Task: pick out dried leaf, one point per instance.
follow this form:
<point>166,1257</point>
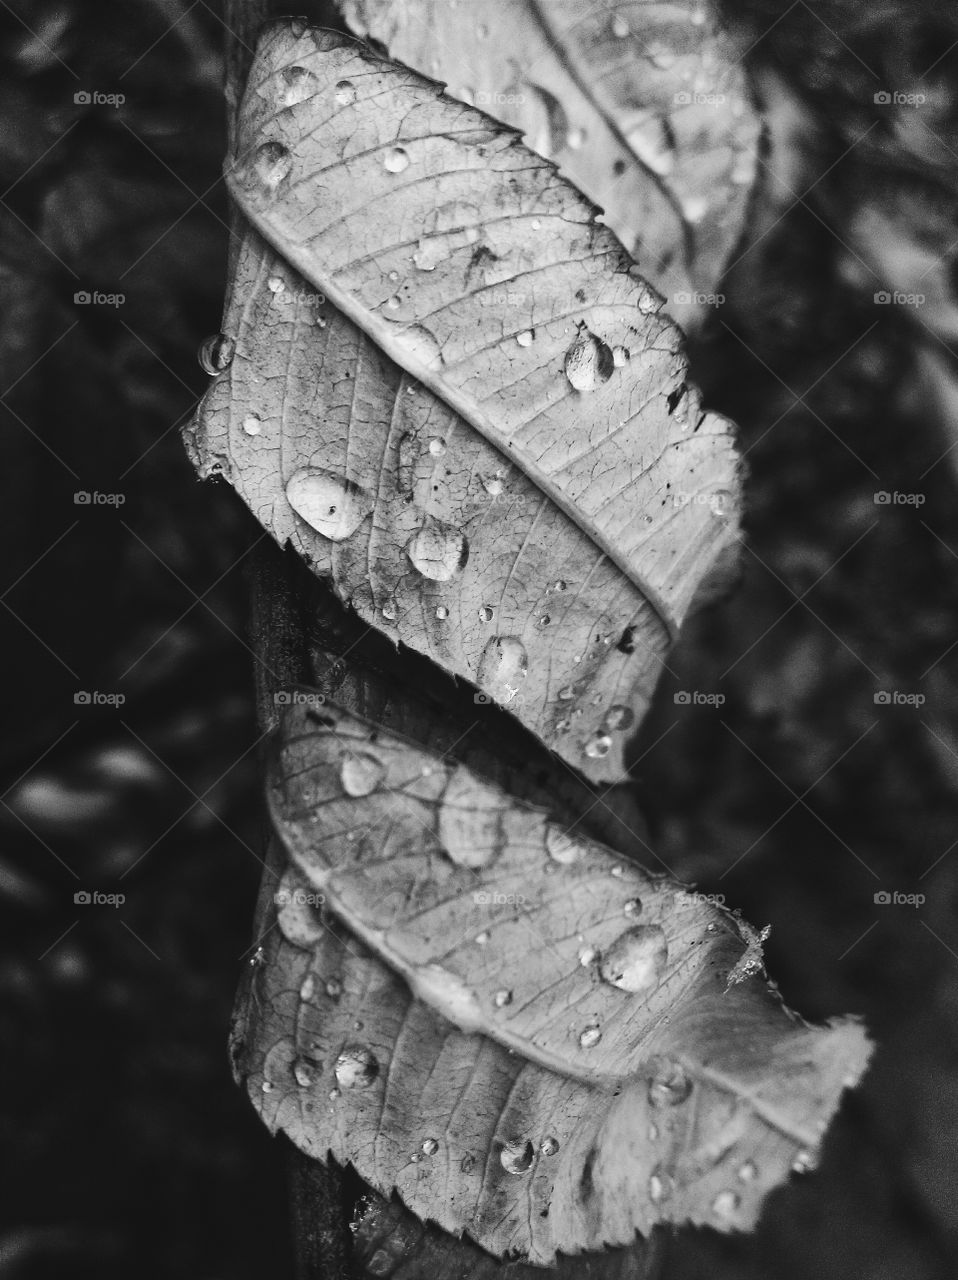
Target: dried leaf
<point>645,107</point>
<point>474,419</point>
<point>530,1040</point>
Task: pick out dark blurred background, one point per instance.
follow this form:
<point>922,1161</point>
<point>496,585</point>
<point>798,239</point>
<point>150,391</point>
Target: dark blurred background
<point>128,1149</point>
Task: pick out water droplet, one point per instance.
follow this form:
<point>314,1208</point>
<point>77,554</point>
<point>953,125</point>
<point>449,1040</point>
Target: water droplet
<point>802,1162</point>
<point>503,665</point>
<point>442,613</point>
<point>430,1147</point>
<point>748,1172</point>
<point>618,717</point>
<point>517,1157</point>
<point>333,506</point>
<point>502,998</point>
<point>669,1086</point>
<point>536,224</point>
<point>298,84</point>
<point>561,846</point>
<point>633,908</point>
<point>598,746</point>
<point>275,284</point>
<point>439,551</point>
<point>548,123</point>
<point>620,28</point>
<point>725,1204</point>
<point>396,160</point>
<point>618,870</point>
<point>252,425</point>
<point>307,988</point>
<point>620,356</point>
<point>525,338</point>
<point>334,988</point>
<point>660,1186</point>
<point>437,447</point>
<point>333,1095</point>
<point>467,1163</point>
<point>576,138</point>
<point>549,1146</point>
<point>356,1067</point>
<point>481,938</point>
<point>361,773</point>
<point>587,956</point>
<point>267,1086</point>
<point>588,362</point>
<point>559,585</point>
<point>467,96</point>
<point>486,613</point>
<point>566,693</point>
<point>651,142</point>
<point>305,1072</point>
<point>590,1037</point>
<point>345,92</point>
<point>420,344</point>
<point>493,486</point>
<point>722,503</point>
<point>390,610</point>
<point>393,303</point>
<point>271,164</point>
<point>216,353</point>
<point>694,208</point>
<point>636,959</point>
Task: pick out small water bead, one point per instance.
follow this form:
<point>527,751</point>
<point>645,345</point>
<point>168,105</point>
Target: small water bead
<point>299,83</point>
<point>252,425</point>
<point>660,1186</point>
<point>598,746</point>
<point>620,357</point>
<point>216,353</point>
<point>493,486</point>
<point>481,938</point>
<point>420,344</point>
<point>566,693</point>
<point>334,988</point>
<point>618,871</point>
<point>589,362</point>
<point>502,998</point>
<point>620,28</point>
<point>694,208</point>
<point>275,284</point>
<point>525,338</point>
<point>332,505</point>
<point>438,551</point>
<point>356,1067</point>
<point>442,613</point>
<point>633,908</point>
<point>618,717</point>
<point>670,1086</point>
<point>549,1146</point>
<point>517,1157</point>
<point>559,585</point>
<point>651,141</point>
<point>561,846</point>
<point>587,956</point>
<point>536,224</point>
<point>748,1172</point>
<point>467,1163</point>
<point>394,276</point>
<point>437,447</point>
<point>304,1073</point>
<point>486,613</point>
<point>390,610</point>
<point>345,93</point>
<point>361,773</point>
<point>396,160</point>
<point>576,138</point>
<point>590,1037</point>
<point>544,620</point>
<point>429,1147</point>
<point>307,988</point>
<point>271,164</point>
<point>725,1205</point>
<point>802,1162</point>
<point>636,960</point>
<point>393,303</point>
<point>467,96</point>
<point>267,1086</point>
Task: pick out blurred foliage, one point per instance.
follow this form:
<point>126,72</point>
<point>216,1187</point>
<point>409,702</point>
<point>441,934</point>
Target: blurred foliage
<point>798,799</point>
